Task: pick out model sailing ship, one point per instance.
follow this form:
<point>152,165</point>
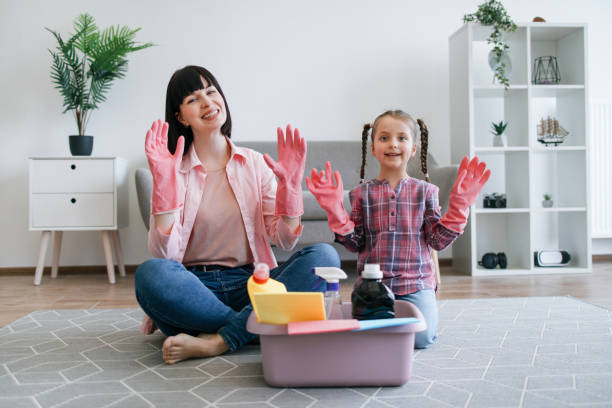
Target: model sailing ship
<point>550,132</point>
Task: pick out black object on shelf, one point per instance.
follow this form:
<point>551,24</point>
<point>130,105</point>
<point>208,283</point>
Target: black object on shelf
<point>550,258</point>
<point>490,260</point>
<point>494,200</point>
<point>545,71</point>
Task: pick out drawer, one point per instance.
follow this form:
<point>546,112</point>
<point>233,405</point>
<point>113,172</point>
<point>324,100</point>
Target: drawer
<point>72,176</point>
<point>72,210</point>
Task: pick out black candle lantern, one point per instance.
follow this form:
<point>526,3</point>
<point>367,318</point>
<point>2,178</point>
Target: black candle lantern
<point>545,71</point>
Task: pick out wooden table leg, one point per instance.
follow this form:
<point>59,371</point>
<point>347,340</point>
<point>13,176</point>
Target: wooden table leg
<point>109,256</point>
<point>57,245</point>
<point>118,254</point>
<point>42,252</point>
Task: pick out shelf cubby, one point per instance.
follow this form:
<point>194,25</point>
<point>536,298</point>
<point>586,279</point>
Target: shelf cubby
<point>562,175</point>
<point>507,233</point>
<point>567,44</point>
<point>496,104</point>
<point>562,230</point>
<point>509,169</point>
<point>567,105</point>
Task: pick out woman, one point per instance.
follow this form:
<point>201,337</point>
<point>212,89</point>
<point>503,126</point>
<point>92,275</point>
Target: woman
<point>215,206</point>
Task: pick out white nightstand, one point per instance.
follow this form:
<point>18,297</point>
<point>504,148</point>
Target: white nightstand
<point>78,194</point>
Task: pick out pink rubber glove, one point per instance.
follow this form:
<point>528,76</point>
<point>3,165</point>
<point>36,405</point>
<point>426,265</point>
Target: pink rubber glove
<point>148,326</point>
<point>330,198</point>
<point>164,167</point>
<point>470,180</point>
<point>289,170</point>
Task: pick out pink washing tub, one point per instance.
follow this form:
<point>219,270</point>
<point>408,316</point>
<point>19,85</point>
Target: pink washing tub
<point>374,357</point>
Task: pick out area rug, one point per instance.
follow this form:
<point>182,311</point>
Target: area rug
<point>500,352</point>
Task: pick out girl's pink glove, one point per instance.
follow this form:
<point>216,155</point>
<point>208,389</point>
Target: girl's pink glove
<point>148,326</point>
<point>164,168</point>
<point>470,180</point>
<point>330,198</point>
<point>289,170</point>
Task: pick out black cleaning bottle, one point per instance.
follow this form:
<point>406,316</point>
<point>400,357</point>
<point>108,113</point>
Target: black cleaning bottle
<point>372,299</point>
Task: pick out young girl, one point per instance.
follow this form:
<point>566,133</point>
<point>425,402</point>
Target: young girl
<point>215,207</point>
<point>395,219</point>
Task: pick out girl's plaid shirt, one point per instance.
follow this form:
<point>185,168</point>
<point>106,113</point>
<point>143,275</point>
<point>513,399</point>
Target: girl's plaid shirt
<point>397,229</point>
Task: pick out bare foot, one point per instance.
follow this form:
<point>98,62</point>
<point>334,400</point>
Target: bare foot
<point>183,346</point>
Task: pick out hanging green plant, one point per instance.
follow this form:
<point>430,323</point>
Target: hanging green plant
<point>492,13</point>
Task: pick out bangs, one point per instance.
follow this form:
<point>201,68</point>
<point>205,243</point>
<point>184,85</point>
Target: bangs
<point>185,82</point>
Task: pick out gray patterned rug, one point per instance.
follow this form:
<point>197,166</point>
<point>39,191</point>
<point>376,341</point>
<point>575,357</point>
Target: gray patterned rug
<point>503,352</point>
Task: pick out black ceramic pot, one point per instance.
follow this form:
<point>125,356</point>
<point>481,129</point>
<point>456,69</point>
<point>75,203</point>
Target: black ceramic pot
<point>80,145</point>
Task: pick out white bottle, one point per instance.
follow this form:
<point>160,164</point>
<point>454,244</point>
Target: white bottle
<point>333,302</point>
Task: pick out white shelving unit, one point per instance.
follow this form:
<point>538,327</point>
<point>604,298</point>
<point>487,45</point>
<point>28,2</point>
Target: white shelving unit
<point>524,169</point>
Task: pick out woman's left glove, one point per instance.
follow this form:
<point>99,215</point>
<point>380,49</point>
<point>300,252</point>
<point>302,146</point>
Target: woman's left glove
<point>289,170</point>
<point>471,177</point>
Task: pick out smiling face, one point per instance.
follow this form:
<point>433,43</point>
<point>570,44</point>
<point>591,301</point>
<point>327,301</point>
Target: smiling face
<point>203,110</point>
<point>393,143</point>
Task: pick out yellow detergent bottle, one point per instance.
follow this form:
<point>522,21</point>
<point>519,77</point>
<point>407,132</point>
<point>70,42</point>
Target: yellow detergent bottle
<point>260,282</point>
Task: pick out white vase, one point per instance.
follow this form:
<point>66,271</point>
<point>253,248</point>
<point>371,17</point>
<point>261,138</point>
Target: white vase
<point>498,141</point>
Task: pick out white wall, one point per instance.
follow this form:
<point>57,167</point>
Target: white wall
<point>324,66</point>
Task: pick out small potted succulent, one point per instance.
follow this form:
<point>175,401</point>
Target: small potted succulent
<point>547,202</point>
<point>498,129</point>
<point>83,68</point>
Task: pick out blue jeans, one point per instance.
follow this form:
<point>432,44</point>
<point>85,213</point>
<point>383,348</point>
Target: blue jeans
<point>425,300</point>
<point>180,300</point>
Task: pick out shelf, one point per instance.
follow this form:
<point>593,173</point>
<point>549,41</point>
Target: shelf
<point>523,169</point>
<point>560,209</point>
<point>501,149</point>
<point>481,210</point>
<point>550,149</point>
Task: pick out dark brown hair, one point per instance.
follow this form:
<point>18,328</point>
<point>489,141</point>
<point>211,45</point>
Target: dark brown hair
<point>182,83</point>
<point>409,120</point>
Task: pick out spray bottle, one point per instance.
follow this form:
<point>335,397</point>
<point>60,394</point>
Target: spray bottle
<point>331,298</point>
<point>260,282</point>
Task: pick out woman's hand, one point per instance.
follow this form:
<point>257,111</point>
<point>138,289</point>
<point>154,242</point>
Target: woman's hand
<point>289,170</point>
<point>330,197</point>
<point>471,177</point>
<point>164,167</point>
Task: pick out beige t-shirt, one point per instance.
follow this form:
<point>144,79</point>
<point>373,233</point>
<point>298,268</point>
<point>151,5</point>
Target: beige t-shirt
<point>218,236</point>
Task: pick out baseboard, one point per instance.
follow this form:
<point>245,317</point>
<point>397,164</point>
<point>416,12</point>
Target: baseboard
<point>65,270</point>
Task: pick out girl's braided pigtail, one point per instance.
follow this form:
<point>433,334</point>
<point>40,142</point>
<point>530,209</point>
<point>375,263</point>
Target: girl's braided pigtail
<point>364,149</point>
<point>424,143</point>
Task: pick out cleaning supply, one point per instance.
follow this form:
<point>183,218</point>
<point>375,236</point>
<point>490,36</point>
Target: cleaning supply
<point>260,282</point>
<point>331,298</point>
<point>372,299</point>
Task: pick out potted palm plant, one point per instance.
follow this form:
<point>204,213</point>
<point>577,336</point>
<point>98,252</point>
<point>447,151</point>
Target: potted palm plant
<point>84,67</point>
<point>498,129</point>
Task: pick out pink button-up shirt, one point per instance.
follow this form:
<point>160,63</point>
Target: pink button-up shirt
<point>254,186</point>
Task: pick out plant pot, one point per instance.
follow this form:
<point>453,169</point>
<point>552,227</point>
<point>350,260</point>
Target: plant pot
<point>498,141</point>
<point>547,203</point>
<point>80,145</point>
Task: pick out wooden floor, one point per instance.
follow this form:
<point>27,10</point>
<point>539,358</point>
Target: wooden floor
<point>18,296</point>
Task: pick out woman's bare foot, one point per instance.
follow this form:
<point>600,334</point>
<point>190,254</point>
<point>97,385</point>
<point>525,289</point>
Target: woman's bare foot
<point>183,346</point>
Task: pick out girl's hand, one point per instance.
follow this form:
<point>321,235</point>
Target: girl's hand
<point>289,170</point>
<point>330,198</point>
<point>164,167</point>
<point>471,177</point>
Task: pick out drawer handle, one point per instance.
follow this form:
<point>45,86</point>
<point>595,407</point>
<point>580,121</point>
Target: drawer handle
<point>73,200</point>
<point>73,166</point>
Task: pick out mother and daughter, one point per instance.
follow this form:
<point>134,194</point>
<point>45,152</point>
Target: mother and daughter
<point>215,207</point>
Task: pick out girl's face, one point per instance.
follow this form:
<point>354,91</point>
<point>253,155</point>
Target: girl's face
<point>203,110</point>
<point>393,144</point>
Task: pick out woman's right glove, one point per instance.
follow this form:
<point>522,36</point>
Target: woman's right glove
<point>330,198</point>
<point>471,177</point>
<point>164,167</point>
